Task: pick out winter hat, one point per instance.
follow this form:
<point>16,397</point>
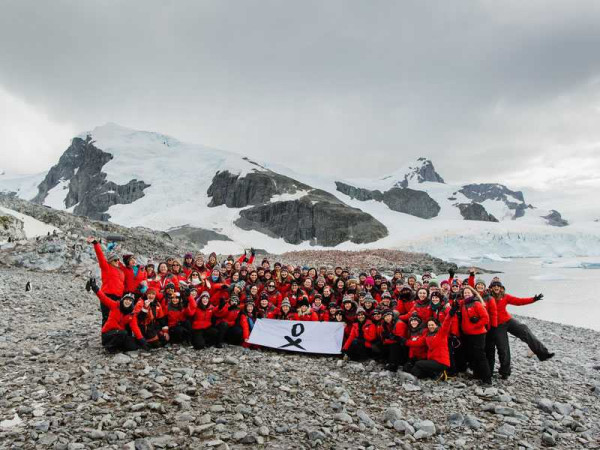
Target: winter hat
<point>129,295</point>
<point>415,317</point>
<point>387,312</point>
<point>332,305</point>
<point>444,282</point>
<point>241,285</point>
<point>294,281</point>
<point>426,275</point>
<point>234,299</point>
<point>369,298</point>
<point>369,281</point>
<point>495,283</point>
<point>347,299</point>
<point>479,281</point>
<point>302,302</point>
<point>169,285</point>
<point>126,259</point>
<point>362,293</point>
<point>386,294</point>
<point>318,296</point>
<point>188,255</point>
<point>150,290</point>
<point>360,310</point>
<point>205,294</point>
<point>286,302</point>
<point>376,311</point>
<point>112,256</point>
<point>433,283</point>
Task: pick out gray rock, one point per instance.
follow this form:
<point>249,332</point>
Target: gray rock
<point>410,201</point>
<point>315,435</point>
<point>239,435</point>
<point>475,211</point>
<point>143,444</point>
<point>342,417</point>
<point>472,422</point>
<point>217,408</point>
<point>364,418</point>
<point>404,427</point>
<point>121,358</point>
<point>555,219</point>
<point>425,426</point>
<point>505,410</point>
<point>393,414</point>
<point>456,420</point>
<point>97,434</point>
<point>545,405</point>
<point>563,408</point>
<point>263,430</point>
<point>479,193</point>
<point>506,430</point>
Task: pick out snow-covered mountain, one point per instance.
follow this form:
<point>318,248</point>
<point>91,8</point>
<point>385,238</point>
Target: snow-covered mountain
<point>137,178</point>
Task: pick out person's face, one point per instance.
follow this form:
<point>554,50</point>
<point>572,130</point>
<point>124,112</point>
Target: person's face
<point>422,294</point>
<point>162,268</point>
<point>361,317</point>
<point>414,323</point>
<point>170,292</point>
<point>253,276</point>
<point>285,309</point>
<point>266,265</point>
<point>254,290</point>
<point>384,287</point>
<point>435,299</point>
<point>294,287</point>
<point>312,273</point>
<point>373,272</point>
<point>205,299</point>
<point>127,302</point>
<point>304,308</point>
<point>321,283</point>
<point>368,304</point>
<point>377,316</point>
<point>338,272</point>
<point>445,288</point>
<point>496,289</point>
<point>339,317</point>
<point>271,287</point>
<point>175,300</point>
<point>348,306</point>
<point>235,277</point>
<point>212,259</point>
<point>431,326</point>
<point>132,261</point>
<point>317,301</point>
<point>307,284</point>
<point>467,293</point>
<point>199,260</point>
<point>268,275</point>
<point>326,290</point>
<point>114,262</point>
<point>151,296</point>
<point>455,288</point>
<point>216,273</point>
<point>264,302</point>
<point>250,307</point>
<point>188,260</point>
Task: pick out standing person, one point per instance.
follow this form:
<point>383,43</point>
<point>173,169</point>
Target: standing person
<point>247,321</point>
<point>134,276</point>
<point>417,348</point>
<point>474,325</point>
<point>201,313</point>
<point>151,319</point>
<point>121,318</point>
<point>179,327</point>
<point>490,337</point>
<point>507,324</point>
<point>228,322</point>
<point>113,278</point>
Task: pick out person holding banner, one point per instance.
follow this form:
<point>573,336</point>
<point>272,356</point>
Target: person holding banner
<point>362,335</point>
<point>247,321</point>
<point>283,313</point>
<point>304,312</point>
<point>228,322</point>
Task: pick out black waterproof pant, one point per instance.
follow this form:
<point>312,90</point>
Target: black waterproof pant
<point>204,338</point>
<point>104,309</point>
<point>522,332</point>
<point>182,332</point>
<point>490,348</point>
<point>118,341</point>
<point>475,350</point>
<point>456,349</point>
<point>394,354</point>
<point>428,368</point>
<point>357,350</point>
<point>232,335</point>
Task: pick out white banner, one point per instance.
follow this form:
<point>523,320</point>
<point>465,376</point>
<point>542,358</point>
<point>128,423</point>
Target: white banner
<point>297,336</point>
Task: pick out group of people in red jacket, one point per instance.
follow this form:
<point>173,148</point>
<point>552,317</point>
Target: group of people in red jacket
<point>425,327</point>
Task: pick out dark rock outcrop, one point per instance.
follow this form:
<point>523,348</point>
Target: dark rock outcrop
<point>199,236</point>
<point>492,191</point>
<point>410,201</point>
<point>358,193</point>
<point>318,217</point>
<point>405,200</point>
<point>474,211</point>
<point>254,188</point>
<point>555,219</point>
<point>81,164</point>
<point>423,172</point>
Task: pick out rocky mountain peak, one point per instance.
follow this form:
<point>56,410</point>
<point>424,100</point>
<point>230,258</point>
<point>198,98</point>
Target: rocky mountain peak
<point>420,172</point>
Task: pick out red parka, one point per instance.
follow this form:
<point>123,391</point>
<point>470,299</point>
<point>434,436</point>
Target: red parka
<point>113,278</point>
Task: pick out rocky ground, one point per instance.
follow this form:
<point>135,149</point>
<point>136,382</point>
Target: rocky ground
<point>59,389</point>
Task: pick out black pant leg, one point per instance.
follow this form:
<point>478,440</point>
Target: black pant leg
<point>427,368</point>
<point>490,348</point>
<point>503,346</point>
<point>198,340</point>
<point>523,332</point>
<point>234,335</point>
<point>476,351</point>
<point>221,332</point>
<point>357,351</point>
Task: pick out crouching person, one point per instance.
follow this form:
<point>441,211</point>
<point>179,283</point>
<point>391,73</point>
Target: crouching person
<point>151,319</point>
<point>438,355</point>
<point>228,322</point>
<point>120,324</point>
<point>179,327</point>
<point>201,313</point>
<point>392,335</point>
<point>362,335</point>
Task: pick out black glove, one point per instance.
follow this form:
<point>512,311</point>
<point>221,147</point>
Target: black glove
<point>224,287</point>
<point>186,292</point>
<point>454,309</point>
<point>264,295</point>
<point>222,302</point>
<point>94,285</point>
<point>185,302</point>
<point>474,319</point>
<point>538,297</point>
<point>94,242</point>
<point>252,252</point>
<point>88,287</point>
<point>143,344</point>
<point>401,340</point>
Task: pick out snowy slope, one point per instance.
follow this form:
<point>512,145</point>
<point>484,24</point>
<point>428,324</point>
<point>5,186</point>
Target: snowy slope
<point>32,227</point>
<point>179,175</point>
<point>25,186</point>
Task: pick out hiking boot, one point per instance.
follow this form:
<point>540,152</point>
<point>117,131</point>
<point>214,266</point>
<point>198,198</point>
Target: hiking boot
<point>546,356</point>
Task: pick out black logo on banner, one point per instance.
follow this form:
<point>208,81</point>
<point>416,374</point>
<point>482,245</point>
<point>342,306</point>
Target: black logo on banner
<point>297,330</point>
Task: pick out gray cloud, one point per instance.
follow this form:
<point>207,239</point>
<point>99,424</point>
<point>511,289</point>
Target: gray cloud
<point>356,87</point>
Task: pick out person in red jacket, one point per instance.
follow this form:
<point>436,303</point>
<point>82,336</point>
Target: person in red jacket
<point>228,322</point>
<point>179,327</point>
<point>406,301</point>
<point>392,335</point>
<point>247,321</point>
<point>273,295</point>
<point>417,348</point>
<point>134,276</point>
<point>113,278</point>
<point>283,313</point>
<point>319,308</point>
<point>304,312</point>
<point>151,319</point>
<point>436,340</point>
<point>362,335</point>
<point>507,324</point>
<point>120,324</point>
<point>474,326</point>
<point>201,314</point>
<point>264,308</point>
<point>439,308</point>
<point>490,337</point>
<point>421,307</point>
<point>329,315</point>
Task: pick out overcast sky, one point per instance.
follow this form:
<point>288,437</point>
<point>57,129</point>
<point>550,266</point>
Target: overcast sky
<point>491,91</point>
